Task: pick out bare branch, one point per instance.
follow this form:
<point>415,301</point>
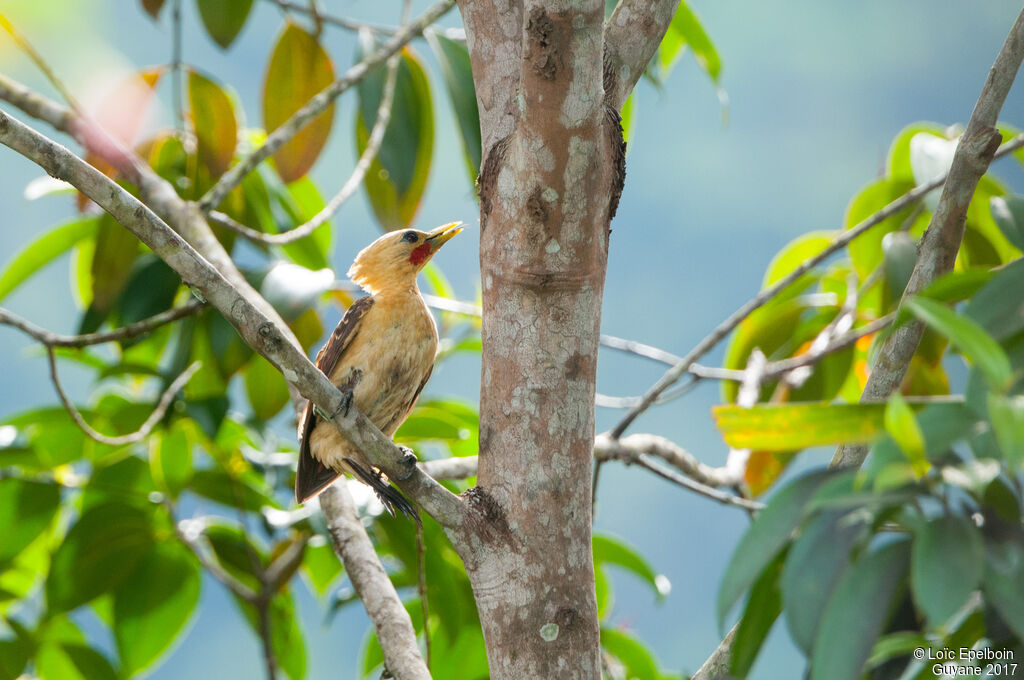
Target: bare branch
<point>723,329</point>
<point>51,339</point>
<point>941,242</point>
<point>158,413</point>
<point>355,25</point>
<point>362,565</point>
<point>318,104</point>
<point>189,531</point>
<point>631,37</point>
<point>262,332</point>
<point>456,467</point>
<point>346,191</point>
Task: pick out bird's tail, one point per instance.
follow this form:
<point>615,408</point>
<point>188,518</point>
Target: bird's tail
<point>389,496</point>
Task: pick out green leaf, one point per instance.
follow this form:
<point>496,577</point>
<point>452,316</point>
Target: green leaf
<point>299,68</point>
<point>33,257</point>
<point>236,553</point>
<point>265,387</point>
<point>764,539</point>
<point>219,486</point>
<point>628,119</point>
<point>150,290</point>
<point>897,165</point>
<point>866,250</point>
<point>852,620</point>
<point>1007,417</point>
<point>1008,212</point>
<point>98,553</point>
<point>999,312</point>
<point>398,176</point>
<point>898,260</point>
<point>1004,581</point>
<point>116,250</point>
<point>816,561</point>
<point>686,30</point>
<point>286,637</point>
<point>968,336</point>
<point>768,328</point>
<point>71,661</point>
<point>152,606</point>
<point>638,660</point>
<point>224,19</point>
<point>785,427</point>
<point>214,122</point>
<point>603,591</point>
<point>903,428</point>
<point>895,645</point>
<point>795,253</point>
<point>301,201</point>
<point>170,459</point>
<point>763,607</point>
<point>453,58</point>
<point>27,509</point>
<point>946,566</point>
<point>321,565</point>
<point>611,550</point>
<point>13,658</point>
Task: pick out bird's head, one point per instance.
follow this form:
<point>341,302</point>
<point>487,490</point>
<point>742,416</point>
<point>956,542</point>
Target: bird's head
<point>395,258</point>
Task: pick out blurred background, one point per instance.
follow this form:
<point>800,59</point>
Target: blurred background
<point>816,92</point>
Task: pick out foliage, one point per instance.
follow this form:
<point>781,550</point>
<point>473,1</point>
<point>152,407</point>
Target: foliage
<point>931,528</point>
<point>127,531</point>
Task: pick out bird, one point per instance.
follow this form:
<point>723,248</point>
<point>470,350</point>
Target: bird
<point>380,356</point>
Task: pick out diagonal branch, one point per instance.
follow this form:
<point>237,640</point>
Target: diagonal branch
<point>364,569</point>
<point>51,339</point>
<point>258,330</point>
<point>941,242</point>
<point>347,189</point>
<point>318,104</point>
<point>631,37</point>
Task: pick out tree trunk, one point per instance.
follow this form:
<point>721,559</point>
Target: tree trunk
<point>548,188</point>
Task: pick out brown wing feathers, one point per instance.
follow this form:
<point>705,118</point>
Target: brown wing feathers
<point>313,476</point>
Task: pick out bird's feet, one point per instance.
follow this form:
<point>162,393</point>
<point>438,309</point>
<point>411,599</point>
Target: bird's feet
<point>343,408</point>
<point>407,461</point>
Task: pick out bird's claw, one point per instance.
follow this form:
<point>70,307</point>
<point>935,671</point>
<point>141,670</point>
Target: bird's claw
<point>343,407</point>
<point>408,460</point>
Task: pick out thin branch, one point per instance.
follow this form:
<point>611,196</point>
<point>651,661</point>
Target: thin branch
<point>158,413</point>
<point>355,25</point>
<point>723,329</point>
<point>456,467</point>
<point>188,531</point>
<point>346,191</point>
<point>606,448</point>
<point>131,331</point>
<point>282,568</point>
<point>941,241</point>
<point>240,306</point>
<point>391,621</point>
<point>318,104</point>
<point>176,67</point>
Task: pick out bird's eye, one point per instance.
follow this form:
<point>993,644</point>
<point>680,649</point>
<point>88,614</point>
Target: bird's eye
<point>411,237</point>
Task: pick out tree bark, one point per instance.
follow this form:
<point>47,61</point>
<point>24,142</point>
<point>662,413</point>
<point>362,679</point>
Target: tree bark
<point>548,189</point>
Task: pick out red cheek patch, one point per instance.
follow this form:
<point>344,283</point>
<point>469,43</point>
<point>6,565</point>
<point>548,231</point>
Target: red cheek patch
<point>419,254</point>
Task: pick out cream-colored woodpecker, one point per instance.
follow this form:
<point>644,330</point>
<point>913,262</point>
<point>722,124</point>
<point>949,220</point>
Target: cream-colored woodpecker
<point>380,356</point>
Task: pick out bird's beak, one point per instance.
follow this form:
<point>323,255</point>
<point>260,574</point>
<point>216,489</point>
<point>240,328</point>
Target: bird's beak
<point>438,237</point>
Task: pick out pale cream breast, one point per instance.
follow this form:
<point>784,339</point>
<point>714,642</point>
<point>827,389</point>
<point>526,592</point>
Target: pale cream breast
<point>385,365</point>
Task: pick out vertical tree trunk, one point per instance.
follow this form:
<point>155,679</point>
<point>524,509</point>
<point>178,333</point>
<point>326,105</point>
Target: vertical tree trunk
<point>548,189</point>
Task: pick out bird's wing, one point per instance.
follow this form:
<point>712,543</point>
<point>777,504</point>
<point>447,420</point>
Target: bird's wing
<point>313,476</point>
